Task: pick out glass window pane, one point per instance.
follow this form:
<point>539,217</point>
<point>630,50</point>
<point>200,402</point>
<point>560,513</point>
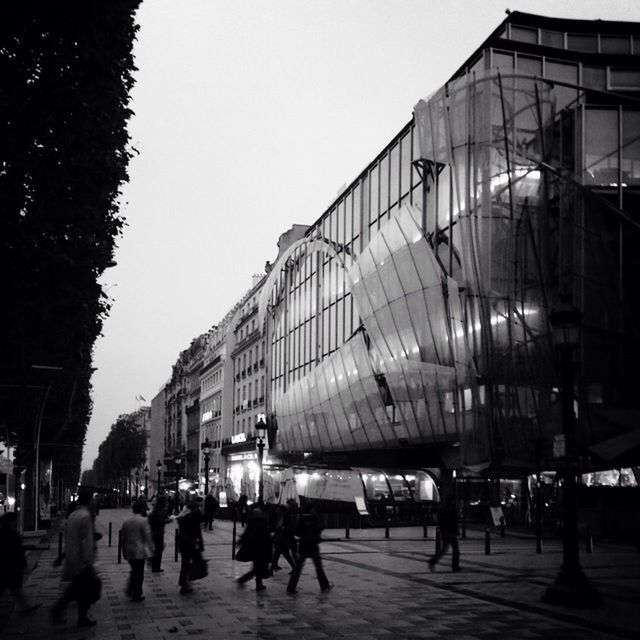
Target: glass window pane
<point>356,210</point>
<point>631,147</point>
<point>615,44</point>
<point>405,164</point>
<point>582,42</point>
<point>601,144</point>
<point>625,79</point>
<point>374,194</point>
<point>384,184</point>
<point>500,60</point>
<point>348,219</point>
<point>552,39</point>
<point>394,180</point>
<point>530,65</point>
<point>565,72</point>
<point>523,34</point>
<point>594,77</point>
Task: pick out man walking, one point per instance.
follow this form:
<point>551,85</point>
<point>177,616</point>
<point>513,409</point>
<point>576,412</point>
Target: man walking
<point>448,525</point>
<point>137,546</point>
<point>84,587</point>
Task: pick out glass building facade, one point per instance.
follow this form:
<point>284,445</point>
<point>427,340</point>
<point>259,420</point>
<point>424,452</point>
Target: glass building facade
<point>415,311</point>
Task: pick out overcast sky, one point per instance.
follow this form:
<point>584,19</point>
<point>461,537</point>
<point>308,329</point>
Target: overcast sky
<point>249,116</point>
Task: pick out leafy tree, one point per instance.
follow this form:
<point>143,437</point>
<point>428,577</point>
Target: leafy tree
<point>123,450</point>
<point>67,72</point>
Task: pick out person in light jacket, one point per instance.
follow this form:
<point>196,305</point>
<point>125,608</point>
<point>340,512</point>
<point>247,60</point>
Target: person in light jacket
<point>137,546</point>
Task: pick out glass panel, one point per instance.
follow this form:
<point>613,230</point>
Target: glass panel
<point>565,72</point>
<point>625,79</point>
<point>631,148</point>
<point>580,42</point>
<point>552,39</point>
<point>501,60</point>
<point>374,195</point>
<point>601,147</point>
<point>530,65</point>
<point>394,180</point>
<point>405,164</point>
<point>356,210</point>
<point>384,184</point>
<point>348,219</point>
<point>523,34</point>
<point>594,77</point>
<point>615,44</point>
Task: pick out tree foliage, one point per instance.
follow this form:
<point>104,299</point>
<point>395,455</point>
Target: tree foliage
<point>123,450</point>
<point>67,72</point>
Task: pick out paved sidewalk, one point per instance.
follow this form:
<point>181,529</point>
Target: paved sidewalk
<point>383,589</point>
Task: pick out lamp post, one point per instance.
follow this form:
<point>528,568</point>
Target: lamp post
<point>261,432</point>
<point>159,468</point>
<point>571,587</point>
<point>206,450</point>
<point>137,482</point>
<point>177,459</point>
<point>146,481</point>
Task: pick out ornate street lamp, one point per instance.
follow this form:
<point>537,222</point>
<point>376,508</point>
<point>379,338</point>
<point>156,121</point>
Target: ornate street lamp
<point>159,468</point>
<point>261,432</point>
<point>137,482</point>
<point>571,587</point>
<point>177,459</point>
<point>146,481</point>
<point>206,450</point>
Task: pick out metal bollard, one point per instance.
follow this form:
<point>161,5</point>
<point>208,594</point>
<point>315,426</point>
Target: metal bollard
<point>175,545</point>
<point>110,530</point>
<point>119,546</point>
<point>425,531</point>
<point>589,540</point>
<point>59,548</point>
<point>438,540</point>
<point>347,529</point>
<point>386,528</point>
<point>538,542</point>
<point>487,542</point>
<point>463,526</point>
<point>503,527</point>
<point>233,541</point>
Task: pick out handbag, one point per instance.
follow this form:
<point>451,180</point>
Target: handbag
<point>198,568</point>
<point>243,554</point>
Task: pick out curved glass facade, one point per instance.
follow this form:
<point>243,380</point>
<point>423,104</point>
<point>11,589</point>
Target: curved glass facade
<point>416,311</point>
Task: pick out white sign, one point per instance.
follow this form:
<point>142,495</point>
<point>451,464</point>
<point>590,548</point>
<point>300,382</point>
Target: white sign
<point>238,437</point>
<point>361,506</point>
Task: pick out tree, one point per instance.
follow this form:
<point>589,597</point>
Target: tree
<point>67,72</point>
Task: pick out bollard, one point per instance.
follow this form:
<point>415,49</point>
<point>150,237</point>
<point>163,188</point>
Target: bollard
<point>487,542</point>
<point>503,527</point>
<point>538,542</point>
<point>110,529</point>
<point>175,545</point>
<point>233,541</point>
<point>59,548</point>
<point>119,546</point>
<point>425,531</point>
<point>347,528</point>
<point>589,540</point>
<point>386,528</point>
<point>438,540</point>
<point>464,526</point>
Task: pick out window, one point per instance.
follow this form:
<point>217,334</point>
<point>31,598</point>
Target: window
<point>631,148</point>
<point>523,34</point>
<point>552,39</point>
<point>579,42</point>
<point>615,44</point>
<point>601,147</point>
<point>624,79</point>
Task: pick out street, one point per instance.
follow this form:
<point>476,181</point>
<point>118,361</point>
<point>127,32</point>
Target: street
<point>383,589</point>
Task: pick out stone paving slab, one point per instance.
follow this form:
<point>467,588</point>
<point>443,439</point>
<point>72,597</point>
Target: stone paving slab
<point>382,590</point>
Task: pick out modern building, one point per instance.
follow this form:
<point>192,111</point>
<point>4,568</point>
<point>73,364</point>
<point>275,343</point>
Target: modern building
<point>411,326</point>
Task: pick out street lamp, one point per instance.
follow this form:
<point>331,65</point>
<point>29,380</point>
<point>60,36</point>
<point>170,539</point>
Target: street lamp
<point>146,481</point>
<point>261,432</point>
<point>206,450</point>
<point>177,459</point>
<point>159,468</point>
<point>571,587</point>
<point>137,482</point>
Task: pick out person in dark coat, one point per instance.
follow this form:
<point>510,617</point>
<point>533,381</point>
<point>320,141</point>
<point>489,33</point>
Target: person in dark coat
<point>158,518</point>
<point>284,539</point>
<point>257,541</point>
<point>210,508</point>
<point>189,540</point>
<point>13,561</point>
<point>448,525</point>
<point>309,531</point>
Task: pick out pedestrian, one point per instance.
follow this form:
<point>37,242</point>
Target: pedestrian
<point>284,539</point>
<point>255,543</point>
<point>13,562</point>
<point>84,586</point>
<point>137,546</point>
<point>309,532</point>
<point>210,508</point>
<point>448,525</point>
<point>158,518</point>
<point>242,508</point>
<point>189,540</point>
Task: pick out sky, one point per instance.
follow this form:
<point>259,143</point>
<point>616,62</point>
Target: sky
<point>249,117</point>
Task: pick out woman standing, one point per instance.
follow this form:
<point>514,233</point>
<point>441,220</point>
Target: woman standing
<point>190,541</point>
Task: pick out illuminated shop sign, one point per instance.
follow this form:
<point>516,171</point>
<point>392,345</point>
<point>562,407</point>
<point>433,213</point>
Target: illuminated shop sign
<point>238,437</point>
